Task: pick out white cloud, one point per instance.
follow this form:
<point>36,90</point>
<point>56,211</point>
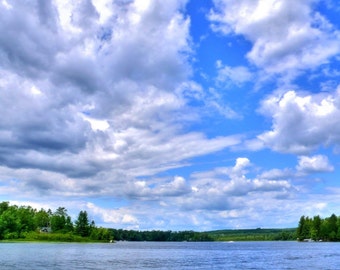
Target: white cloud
<point>277,174</point>
<point>215,103</point>
<point>241,163</point>
<point>96,102</point>
<point>233,75</point>
<point>90,106</point>
<point>97,124</point>
<point>228,76</point>
<point>6,4</point>
<point>98,91</point>
<point>301,122</point>
<point>314,164</point>
<point>222,109</point>
<point>286,35</point>
<point>120,217</point>
<point>228,188</point>
<point>158,189</point>
<point>167,203</point>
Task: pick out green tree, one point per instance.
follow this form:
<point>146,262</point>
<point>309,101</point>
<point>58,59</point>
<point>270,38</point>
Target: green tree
<point>9,223</point>
<point>3,207</point>
<point>42,218</point>
<point>82,225</point>
<point>303,230</point>
<point>26,221</point>
<point>101,234</point>
<point>338,224</point>
<point>316,228</point>
<point>61,221</point>
<point>333,227</point>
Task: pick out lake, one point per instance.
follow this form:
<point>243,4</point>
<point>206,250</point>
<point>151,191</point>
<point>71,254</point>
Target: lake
<point>170,255</point>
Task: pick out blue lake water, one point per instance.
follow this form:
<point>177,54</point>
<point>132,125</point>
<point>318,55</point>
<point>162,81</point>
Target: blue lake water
<point>184,255</point>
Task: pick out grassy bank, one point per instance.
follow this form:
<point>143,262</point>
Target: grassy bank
<point>53,237</point>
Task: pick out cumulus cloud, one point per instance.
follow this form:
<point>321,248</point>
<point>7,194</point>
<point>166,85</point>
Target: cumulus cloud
<point>158,190</point>
<point>91,103</point>
<point>314,164</point>
<point>226,191</point>
<point>285,35</point>
<point>241,163</point>
<point>301,122</point>
<point>228,188</point>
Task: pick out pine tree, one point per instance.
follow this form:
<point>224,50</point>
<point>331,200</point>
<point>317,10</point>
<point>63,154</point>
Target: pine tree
<point>83,227</point>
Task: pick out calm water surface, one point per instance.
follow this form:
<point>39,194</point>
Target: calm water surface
<point>152,255</point>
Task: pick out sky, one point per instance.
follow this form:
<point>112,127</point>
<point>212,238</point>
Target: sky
<point>172,114</point>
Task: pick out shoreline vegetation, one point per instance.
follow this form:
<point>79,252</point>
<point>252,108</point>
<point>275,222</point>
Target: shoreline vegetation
<point>259,234</point>
<point>319,229</point>
<point>24,223</point>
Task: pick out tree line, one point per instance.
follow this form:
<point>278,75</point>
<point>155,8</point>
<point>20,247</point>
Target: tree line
<point>258,234</point>
<point>319,229</point>
<point>25,222</point>
<point>156,235</point>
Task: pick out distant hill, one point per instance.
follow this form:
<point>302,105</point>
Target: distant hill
<point>253,234</point>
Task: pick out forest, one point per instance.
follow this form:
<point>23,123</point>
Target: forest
<point>319,229</point>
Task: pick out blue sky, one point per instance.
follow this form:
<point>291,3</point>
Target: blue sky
<point>172,115</point>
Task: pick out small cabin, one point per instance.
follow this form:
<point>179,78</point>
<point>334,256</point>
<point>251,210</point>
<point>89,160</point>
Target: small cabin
<point>45,230</point>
